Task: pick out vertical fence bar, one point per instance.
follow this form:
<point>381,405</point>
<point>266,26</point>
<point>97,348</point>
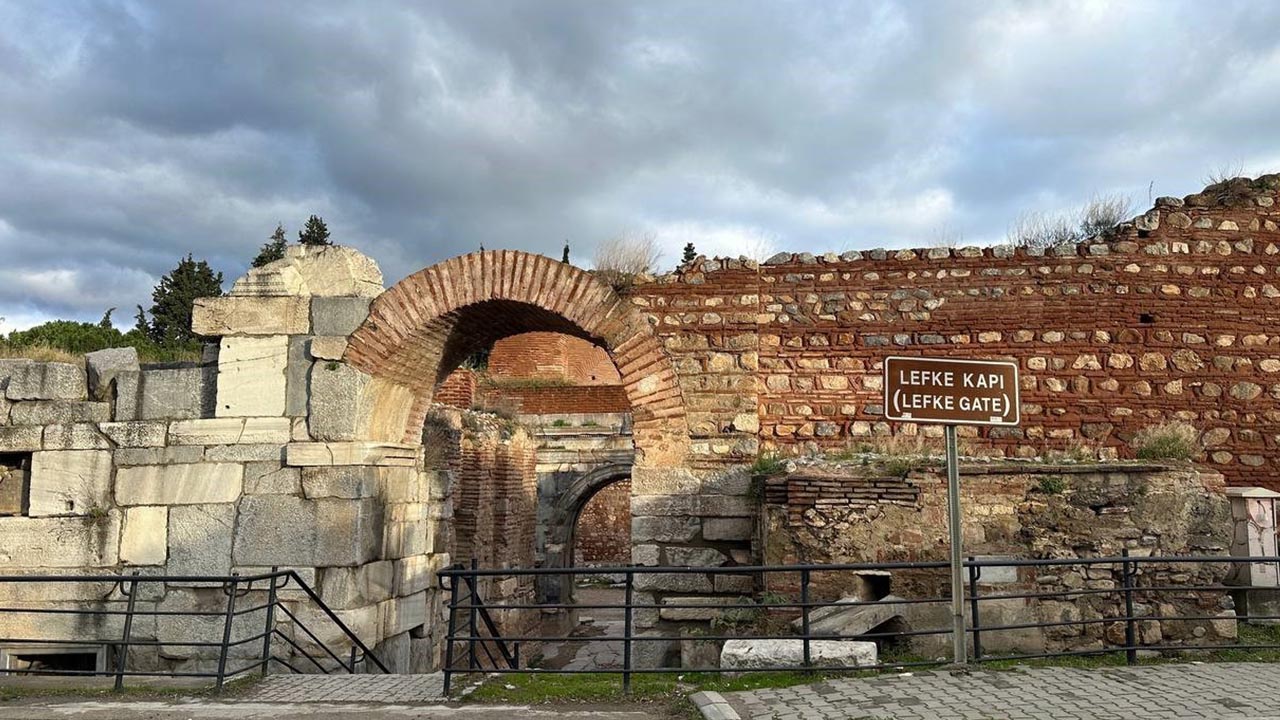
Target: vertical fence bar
<point>975,573</point>
<point>626,633</point>
<point>453,626</point>
<point>1130,625</point>
<point>352,667</point>
<point>804,616</point>
<point>271,623</point>
<point>122,656</point>
<point>226,631</point>
<point>473,584</point>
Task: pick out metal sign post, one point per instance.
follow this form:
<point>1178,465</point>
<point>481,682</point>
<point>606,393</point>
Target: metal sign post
<point>952,392</point>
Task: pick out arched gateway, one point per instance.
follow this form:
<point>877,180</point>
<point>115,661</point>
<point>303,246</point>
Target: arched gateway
<point>421,329</point>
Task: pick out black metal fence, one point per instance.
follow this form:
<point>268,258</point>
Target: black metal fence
<point>1115,601</point>
<point>248,601</point>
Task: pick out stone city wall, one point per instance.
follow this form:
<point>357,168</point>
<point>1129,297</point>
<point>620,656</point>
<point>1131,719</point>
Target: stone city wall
<point>850,513</point>
<point>1173,317</point>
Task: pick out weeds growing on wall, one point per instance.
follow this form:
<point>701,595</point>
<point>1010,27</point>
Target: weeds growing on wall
<point>621,260</point>
<point>1098,217</point>
<point>1167,441</point>
<point>768,464</point>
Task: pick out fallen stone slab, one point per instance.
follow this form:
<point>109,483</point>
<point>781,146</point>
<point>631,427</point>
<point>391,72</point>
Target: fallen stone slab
<point>757,654</point>
<point>847,619</point>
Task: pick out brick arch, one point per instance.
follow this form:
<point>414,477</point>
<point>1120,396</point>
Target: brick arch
<point>423,327</point>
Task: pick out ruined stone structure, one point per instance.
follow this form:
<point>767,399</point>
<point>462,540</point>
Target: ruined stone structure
<point>299,442</point>
<point>825,512</point>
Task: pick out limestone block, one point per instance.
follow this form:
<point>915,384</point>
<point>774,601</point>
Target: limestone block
<point>171,393</point>
<point>70,482</point>
<point>21,438</point>
<point>848,619</point>
<point>412,574</point>
<point>193,484</point>
<point>360,481</point>
<point>644,555</point>
<point>181,454</point>
<point>59,542</point>
<point>297,380</point>
<point>268,478</point>
<point>75,436</point>
<point>327,347</point>
<point>251,376</point>
<point>330,270</point>
<point>655,481</point>
<point>695,557</point>
<point>711,608</point>
<point>348,587</point>
<point>207,626</point>
<point>350,453</point>
<point>49,412</point>
<point>231,431</point>
<point>663,529</point>
<point>349,532</point>
<point>104,366</point>
<point>276,530</point>
<point>336,405</point>
<point>745,654</point>
<point>403,614</point>
<point>47,381</point>
<point>338,316</point>
<point>674,582</point>
<point>727,529</point>
<point>145,538</point>
<point>245,453</point>
<point>245,315</point>
<point>135,433</point>
<point>287,530</point>
<point>200,539</point>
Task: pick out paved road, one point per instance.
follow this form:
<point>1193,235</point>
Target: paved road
<point>1216,691</point>
<point>205,710</point>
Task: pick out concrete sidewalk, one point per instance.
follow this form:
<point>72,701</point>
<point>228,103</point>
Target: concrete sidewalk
<point>1161,692</point>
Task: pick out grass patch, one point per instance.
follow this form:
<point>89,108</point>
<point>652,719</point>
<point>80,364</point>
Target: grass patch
<point>1168,441</point>
<point>767,465</point>
<point>105,691</point>
<point>1052,485</point>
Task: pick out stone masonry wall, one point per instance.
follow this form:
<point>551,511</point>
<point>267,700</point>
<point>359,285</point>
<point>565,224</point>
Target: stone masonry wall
<point>1173,317</point>
<point>861,512</point>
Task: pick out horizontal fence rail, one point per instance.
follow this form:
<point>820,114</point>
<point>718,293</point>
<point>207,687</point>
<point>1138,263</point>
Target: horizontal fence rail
<point>240,634</point>
<point>1122,593</point>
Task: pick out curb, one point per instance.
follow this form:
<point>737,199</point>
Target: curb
<point>713,706</point>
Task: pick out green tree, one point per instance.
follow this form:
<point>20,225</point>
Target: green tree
<point>274,248</point>
<point>173,297</point>
<point>690,254</point>
<point>105,322</point>
<point>315,232</point>
<point>565,259</point>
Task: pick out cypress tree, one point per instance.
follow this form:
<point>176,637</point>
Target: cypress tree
<point>690,254</point>
<point>315,232</point>
<point>173,297</point>
<point>274,248</point>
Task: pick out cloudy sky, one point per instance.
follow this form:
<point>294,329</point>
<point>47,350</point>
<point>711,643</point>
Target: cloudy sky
<point>133,133</point>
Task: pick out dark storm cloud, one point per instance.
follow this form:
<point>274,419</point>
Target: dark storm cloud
<point>133,133</point>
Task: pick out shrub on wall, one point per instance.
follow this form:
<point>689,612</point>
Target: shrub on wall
<point>1167,441</point>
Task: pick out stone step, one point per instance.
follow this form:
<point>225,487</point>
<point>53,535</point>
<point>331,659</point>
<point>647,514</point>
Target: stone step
<point>855,619</point>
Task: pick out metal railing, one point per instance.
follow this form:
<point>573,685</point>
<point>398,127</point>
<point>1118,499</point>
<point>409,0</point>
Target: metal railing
<point>308,652</point>
<point>1130,594</point>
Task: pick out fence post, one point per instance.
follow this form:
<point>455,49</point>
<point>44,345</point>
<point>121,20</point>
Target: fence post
<point>1130,625</point>
<point>626,634</point>
<point>473,583</point>
<point>226,630</point>
<point>271,622</point>
<point>122,657</point>
<point>804,615</point>
<point>975,572</point>
<point>453,626</point>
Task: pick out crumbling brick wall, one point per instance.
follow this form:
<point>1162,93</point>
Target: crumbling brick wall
<point>553,357</point>
<point>1172,317</point>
